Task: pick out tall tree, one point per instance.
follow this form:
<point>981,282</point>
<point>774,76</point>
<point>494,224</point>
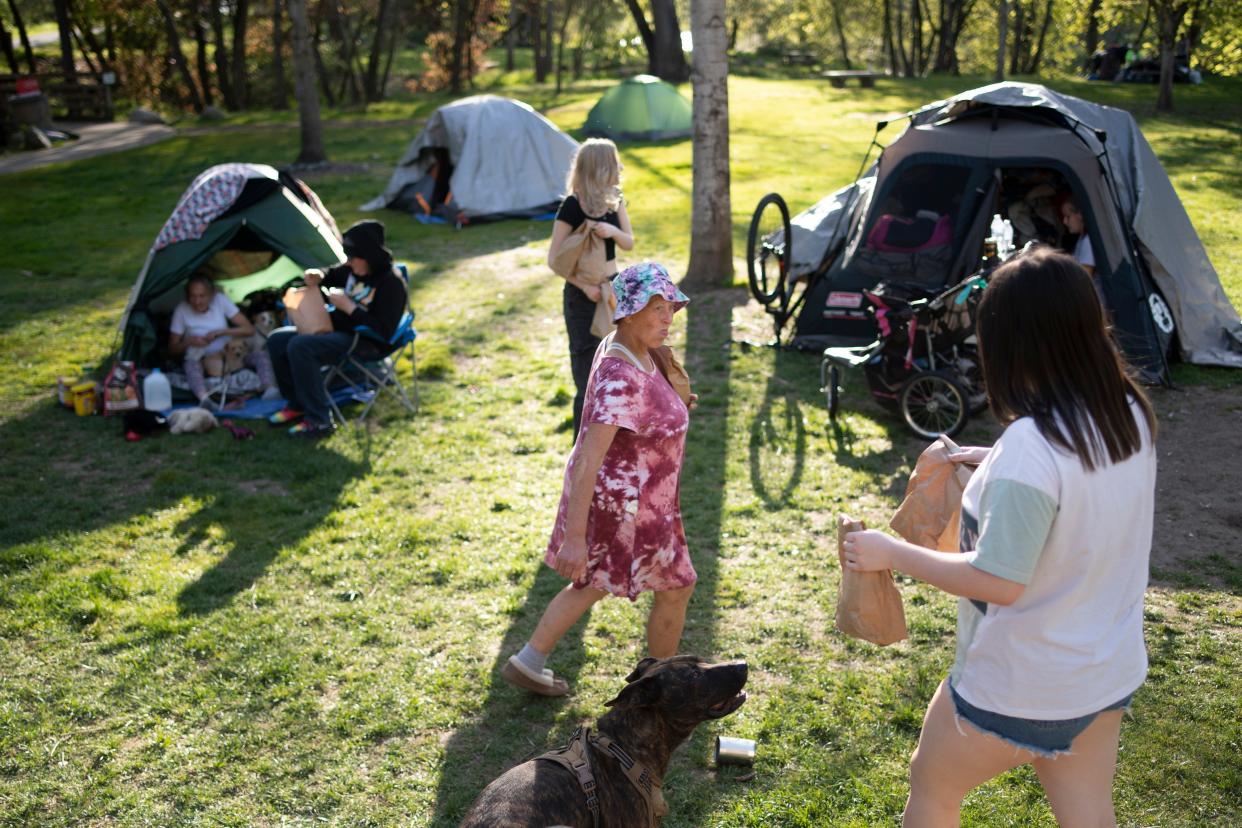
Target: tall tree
<point>223,76</point>
<point>304,87</point>
<point>840,27</point>
<point>201,60</point>
<point>711,222</point>
<point>64,28</point>
<point>176,58</point>
<point>662,38</point>
<point>1091,38</point>
<point>241,79</point>
<point>6,43</point>
<point>1169,17</point>
<point>371,81</point>
<point>22,35</point>
<point>1002,34</point>
<point>280,90</point>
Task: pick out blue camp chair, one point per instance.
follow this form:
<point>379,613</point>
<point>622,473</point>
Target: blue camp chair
<point>369,368</point>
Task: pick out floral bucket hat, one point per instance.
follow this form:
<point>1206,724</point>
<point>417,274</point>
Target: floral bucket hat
<point>635,286</point>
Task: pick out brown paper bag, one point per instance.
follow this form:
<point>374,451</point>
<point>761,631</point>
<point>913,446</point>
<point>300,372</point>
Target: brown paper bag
<point>930,514</point>
<point>307,310</point>
<point>869,605</point>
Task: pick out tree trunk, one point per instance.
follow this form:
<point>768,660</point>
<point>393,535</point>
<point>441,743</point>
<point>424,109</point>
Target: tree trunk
<point>201,61</point>
<point>457,57</point>
<point>665,58</point>
<point>1002,33</point>
<point>304,87</point>
<point>86,37</point>
<point>889,51</point>
<point>511,36</point>
<point>241,20</point>
<point>1169,17</point>
<point>6,43</point>
<point>916,38</point>
<point>22,35</point>
<point>549,19</point>
<point>840,27</point>
<point>560,46</point>
<point>711,223</point>
<point>644,29</point>
<point>1032,66</point>
<point>280,88</point>
<point>175,56</point>
<point>321,71</point>
<point>223,77</point>
<point>371,80</point>
<point>61,7</point>
<point>1018,48</point>
<point>1091,40</point>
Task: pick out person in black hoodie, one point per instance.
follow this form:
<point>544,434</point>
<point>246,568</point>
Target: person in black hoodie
<point>365,291</point>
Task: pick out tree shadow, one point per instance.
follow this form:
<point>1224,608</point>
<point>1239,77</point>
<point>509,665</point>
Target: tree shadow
<point>84,477</point>
<point>511,726</point>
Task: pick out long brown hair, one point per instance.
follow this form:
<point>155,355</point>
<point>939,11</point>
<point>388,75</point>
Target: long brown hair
<point>1047,354</point>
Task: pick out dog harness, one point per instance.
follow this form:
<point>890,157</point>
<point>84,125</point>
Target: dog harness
<point>575,757</point>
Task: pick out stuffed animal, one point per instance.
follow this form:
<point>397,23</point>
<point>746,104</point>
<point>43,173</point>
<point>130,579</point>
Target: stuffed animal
<point>191,420</point>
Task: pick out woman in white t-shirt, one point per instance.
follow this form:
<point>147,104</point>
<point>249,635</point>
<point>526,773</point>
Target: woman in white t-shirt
<point>1056,535</point>
<point>202,325</point>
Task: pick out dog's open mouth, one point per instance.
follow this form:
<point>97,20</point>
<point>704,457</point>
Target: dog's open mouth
<point>727,706</point>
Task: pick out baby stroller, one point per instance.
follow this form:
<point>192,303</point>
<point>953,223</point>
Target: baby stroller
<point>925,363</point>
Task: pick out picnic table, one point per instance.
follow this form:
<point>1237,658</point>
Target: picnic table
<point>798,58</point>
<point>838,77</point>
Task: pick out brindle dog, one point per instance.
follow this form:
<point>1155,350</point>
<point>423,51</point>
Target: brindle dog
<point>662,703</point>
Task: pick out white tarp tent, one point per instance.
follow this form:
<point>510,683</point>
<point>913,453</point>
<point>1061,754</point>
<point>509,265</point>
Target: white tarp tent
<point>507,158</point>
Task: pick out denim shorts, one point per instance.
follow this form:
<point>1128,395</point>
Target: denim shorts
<point>1043,738</point>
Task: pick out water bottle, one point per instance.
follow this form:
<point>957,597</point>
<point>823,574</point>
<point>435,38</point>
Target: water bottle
<point>998,227</point>
<point>156,392</point>
<point>1007,237</point>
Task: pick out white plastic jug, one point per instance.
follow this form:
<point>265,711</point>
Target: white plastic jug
<point>156,392</point>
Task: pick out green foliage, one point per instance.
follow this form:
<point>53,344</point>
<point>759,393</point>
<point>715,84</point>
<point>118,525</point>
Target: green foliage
<point>199,632</point>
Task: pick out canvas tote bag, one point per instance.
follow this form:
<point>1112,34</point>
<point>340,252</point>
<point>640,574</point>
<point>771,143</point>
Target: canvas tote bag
<point>869,605</point>
<point>307,310</point>
<point>673,371</point>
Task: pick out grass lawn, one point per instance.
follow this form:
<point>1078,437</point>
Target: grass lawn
<point>202,632</point>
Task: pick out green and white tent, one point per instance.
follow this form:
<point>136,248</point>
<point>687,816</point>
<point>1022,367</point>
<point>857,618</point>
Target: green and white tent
<point>641,108</point>
<point>249,225</point>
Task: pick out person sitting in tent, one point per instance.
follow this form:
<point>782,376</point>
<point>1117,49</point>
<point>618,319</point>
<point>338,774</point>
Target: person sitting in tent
<point>1075,225</point>
<point>202,325</point>
<point>365,291</point>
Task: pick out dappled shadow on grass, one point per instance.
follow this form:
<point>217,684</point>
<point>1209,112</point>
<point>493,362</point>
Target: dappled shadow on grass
<point>78,476</point>
<point>503,732</point>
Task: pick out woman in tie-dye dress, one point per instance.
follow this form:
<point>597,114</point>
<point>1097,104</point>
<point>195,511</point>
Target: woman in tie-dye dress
<point>618,529</point>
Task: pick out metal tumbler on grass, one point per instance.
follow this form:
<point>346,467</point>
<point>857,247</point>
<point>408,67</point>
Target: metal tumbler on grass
<point>733,751</point>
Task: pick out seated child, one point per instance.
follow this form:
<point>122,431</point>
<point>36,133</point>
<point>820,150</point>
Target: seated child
<point>202,325</point>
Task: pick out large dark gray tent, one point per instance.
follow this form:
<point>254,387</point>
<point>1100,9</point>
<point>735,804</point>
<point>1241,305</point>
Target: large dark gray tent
<point>261,225</point>
<point>952,161</point>
<point>504,158</point>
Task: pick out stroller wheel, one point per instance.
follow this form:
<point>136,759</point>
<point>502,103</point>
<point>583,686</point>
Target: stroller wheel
<point>933,403</point>
<point>833,391</point>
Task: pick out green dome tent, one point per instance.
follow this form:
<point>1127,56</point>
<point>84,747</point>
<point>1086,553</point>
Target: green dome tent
<point>641,108</point>
<point>248,224</point>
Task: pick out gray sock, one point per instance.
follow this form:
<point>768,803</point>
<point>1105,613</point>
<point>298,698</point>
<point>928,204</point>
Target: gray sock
<point>532,658</point>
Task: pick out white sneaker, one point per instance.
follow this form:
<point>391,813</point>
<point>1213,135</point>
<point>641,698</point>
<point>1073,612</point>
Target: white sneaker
<point>272,393</point>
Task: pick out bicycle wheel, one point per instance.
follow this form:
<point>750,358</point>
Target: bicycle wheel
<point>768,246</point>
<point>933,403</point>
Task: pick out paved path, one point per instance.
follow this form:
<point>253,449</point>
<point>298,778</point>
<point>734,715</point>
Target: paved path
<point>100,139</point>
<point>94,139</point>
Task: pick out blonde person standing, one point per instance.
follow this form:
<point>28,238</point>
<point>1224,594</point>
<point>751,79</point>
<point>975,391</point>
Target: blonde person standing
<point>1055,540</point>
<point>595,197</point>
<point>618,529</point>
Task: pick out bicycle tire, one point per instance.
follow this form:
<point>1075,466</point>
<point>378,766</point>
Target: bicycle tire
<point>759,252</point>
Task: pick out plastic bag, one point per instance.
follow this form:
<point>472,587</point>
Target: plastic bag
<point>120,389</point>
